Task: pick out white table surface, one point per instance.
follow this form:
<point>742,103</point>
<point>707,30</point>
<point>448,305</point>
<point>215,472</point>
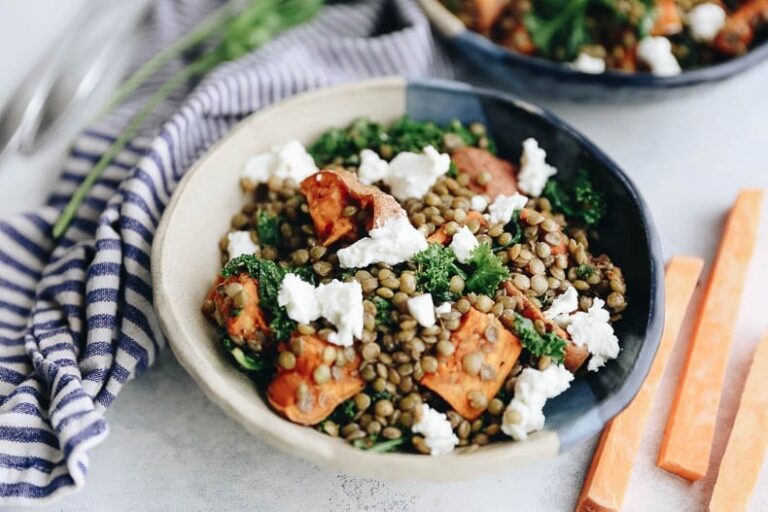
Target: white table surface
<point>171,449</point>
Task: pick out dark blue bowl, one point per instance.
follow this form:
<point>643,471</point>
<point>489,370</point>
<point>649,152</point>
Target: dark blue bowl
<point>535,76</point>
<point>627,234</point>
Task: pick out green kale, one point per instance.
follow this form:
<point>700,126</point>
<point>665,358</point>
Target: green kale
<point>584,271</point>
<point>406,134</point>
<point>488,271</point>
<point>253,364</point>
<point>380,395</point>
<point>344,412</point>
<point>453,171</point>
<point>343,145</point>
<point>268,227</point>
<point>436,265</point>
<point>515,228</point>
<point>539,345</point>
<point>269,275</point>
<point>383,312</point>
<point>577,199</point>
<point>372,444</point>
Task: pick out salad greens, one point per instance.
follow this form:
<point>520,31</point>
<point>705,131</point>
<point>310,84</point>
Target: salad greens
<point>549,344</point>
<point>488,272</point>
<point>268,228</point>
<point>577,199</point>
<point>436,265</point>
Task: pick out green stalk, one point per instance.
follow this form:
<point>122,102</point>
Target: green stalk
<point>130,131</point>
<point>204,30</point>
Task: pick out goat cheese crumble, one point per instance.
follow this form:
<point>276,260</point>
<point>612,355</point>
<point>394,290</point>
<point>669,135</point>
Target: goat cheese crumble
<point>588,64</point>
<point>562,306</point>
<point>372,167</point>
<point>436,429</point>
<point>289,160</point>
<point>342,305</point>
<point>706,21</point>
<point>444,308</point>
<point>422,309</point>
<point>240,243</point>
<point>394,242</point>
<point>503,208</point>
<point>463,243</point>
<point>478,203</point>
<point>534,170</point>
<point>525,412</point>
<point>591,329</point>
<point>298,298</point>
<point>412,174</point>
<point>656,52</point>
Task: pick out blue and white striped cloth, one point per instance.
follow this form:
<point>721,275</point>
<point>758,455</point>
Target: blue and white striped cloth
<point>76,317</point>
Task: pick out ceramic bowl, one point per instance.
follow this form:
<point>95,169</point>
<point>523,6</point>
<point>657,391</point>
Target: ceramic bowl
<point>185,259</point>
<point>535,76</point>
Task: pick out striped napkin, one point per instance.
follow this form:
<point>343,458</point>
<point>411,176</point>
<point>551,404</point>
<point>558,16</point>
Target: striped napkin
<point>76,317</point>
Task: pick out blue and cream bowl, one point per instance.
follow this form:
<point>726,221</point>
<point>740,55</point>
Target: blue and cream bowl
<point>200,212</point>
<point>535,76</point>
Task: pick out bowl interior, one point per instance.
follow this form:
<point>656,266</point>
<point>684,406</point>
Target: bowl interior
<point>186,258</point>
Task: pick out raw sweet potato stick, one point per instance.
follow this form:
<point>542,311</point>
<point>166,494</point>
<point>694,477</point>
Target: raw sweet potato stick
<point>608,477</point>
<point>746,447</point>
<point>687,442</point>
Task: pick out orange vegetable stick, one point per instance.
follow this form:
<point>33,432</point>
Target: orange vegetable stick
<point>687,442</point>
<point>608,477</point>
<point>746,447</point>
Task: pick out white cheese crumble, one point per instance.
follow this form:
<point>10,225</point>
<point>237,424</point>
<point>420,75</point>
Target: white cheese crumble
<point>463,243</point>
<point>412,174</point>
<point>706,21</point>
<point>436,429</point>
<point>656,51</point>
<point>478,203</point>
<point>289,160</point>
<point>394,242</point>
<point>588,64</point>
<point>372,167</point>
<point>591,329</point>
<point>422,309</point>
<point>444,308</point>
<point>342,305</point>
<point>533,388</point>
<point>563,305</point>
<point>240,243</point>
<point>534,170</point>
<point>298,298</point>
<point>503,207</point>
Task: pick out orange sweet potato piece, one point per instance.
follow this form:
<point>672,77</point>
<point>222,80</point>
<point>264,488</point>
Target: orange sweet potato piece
<point>475,334</point>
<point>329,192</point>
<point>441,237</point>
<point>687,444</point>
<point>739,30</point>
<point>487,12</point>
<point>296,395</point>
<point>239,293</point>
<point>473,161</point>
<point>668,19</point>
<point>574,354</point>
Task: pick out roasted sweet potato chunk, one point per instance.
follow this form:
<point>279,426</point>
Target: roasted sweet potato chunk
<point>485,353</point>
<point>236,301</point>
<point>307,394</point>
<point>328,193</point>
<point>487,12</point>
<point>474,161</point>
<point>574,354</point>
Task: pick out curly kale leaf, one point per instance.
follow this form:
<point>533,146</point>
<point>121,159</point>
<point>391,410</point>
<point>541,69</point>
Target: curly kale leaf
<point>549,344</point>
<point>436,265</point>
<point>577,199</point>
<point>488,271</point>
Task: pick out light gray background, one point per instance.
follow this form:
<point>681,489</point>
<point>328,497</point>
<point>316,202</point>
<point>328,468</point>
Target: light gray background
<point>170,449</point>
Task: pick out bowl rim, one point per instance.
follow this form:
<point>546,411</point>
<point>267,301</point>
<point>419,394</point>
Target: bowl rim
<point>543,444</point>
<point>451,27</point>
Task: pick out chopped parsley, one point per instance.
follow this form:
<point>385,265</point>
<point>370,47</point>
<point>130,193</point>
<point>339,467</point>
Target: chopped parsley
<point>436,265</point>
<point>549,344</point>
<point>577,199</point>
<point>268,228</point>
<point>383,312</point>
<point>488,271</point>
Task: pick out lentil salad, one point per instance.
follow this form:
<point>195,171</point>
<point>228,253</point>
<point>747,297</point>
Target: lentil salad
<point>455,339</point>
<point>662,37</point>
